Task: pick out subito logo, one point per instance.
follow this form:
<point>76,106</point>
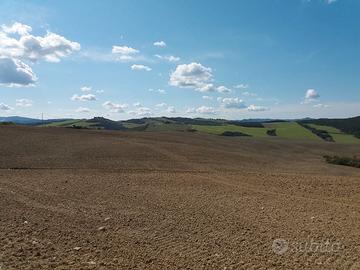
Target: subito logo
<point>280,246</point>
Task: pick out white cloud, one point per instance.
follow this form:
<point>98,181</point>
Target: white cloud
<point>113,107</point>
<point>232,103</point>
<point>86,89</point>
<point>159,44</point>
<point>87,97</point>
<point>169,58</point>
<point>5,107</point>
<point>195,76</point>
<point>160,105</point>
<point>17,46</point>
<point>23,102</point>
<point>254,108</point>
<point>241,86</point>
<point>190,110</point>
<point>311,95</point>
<point>17,28</point>
<point>207,88</point>
<point>82,110</point>
<point>137,104</point>
<point>124,52</point>
<point>171,109</point>
<point>51,47</point>
<point>207,97</point>
<point>319,106</point>
<point>100,91</point>
<point>249,94</point>
<point>14,72</point>
<point>223,89</point>
<point>141,111</point>
<point>140,67</point>
<point>205,110</point>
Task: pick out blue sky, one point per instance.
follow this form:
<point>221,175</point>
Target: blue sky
<point>224,59</point>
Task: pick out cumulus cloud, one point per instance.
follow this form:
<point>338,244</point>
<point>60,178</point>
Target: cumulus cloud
<point>169,58</point>
<point>17,28</point>
<point>14,72</point>
<point>232,103</point>
<point>207,97</point>
<point>241,86</point>
<point>207,88</point>
<point>18,46</point>
<point>160,105</point>
<point>23,102</point>
<point>254,108</point>
<point>137,104</point>
<point>5,107</point>
<point>82,110</point>
<point>159,44</point>
<point>171,109</point>
<point>190,110</point>
<point>141,111</point>
<point>311,95</point>
<point>87,97</point>
<point>195,76</point>
<point>205,110</point>
<point>223,89</point>
<point>114,107</point>
<point>140,67</point>
<point>124,52</point>
<point>51,47</point>
<point>86,88</point>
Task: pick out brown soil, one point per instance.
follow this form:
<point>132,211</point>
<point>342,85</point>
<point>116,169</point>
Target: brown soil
<point>79,199</point>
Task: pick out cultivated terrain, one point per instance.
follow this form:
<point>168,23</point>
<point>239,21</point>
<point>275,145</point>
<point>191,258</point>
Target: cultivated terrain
<point>97,199</point>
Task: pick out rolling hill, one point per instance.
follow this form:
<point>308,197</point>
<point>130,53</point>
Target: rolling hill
<point>330,130</point>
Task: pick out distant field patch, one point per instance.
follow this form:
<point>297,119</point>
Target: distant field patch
<point>252,131</point>
<point>167,127</point>
<point>61,123</point>
<point>71,123</point>
<point>337,134</point>
<point>291,130</point>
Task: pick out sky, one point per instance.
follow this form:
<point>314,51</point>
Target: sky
<point>231,59</point>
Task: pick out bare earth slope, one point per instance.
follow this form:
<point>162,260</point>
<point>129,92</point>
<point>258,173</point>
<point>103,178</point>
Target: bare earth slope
<point>77,199</point>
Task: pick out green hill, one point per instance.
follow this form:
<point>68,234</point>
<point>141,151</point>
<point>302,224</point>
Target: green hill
<point>94,123</point>
<point>347,125</point>
<point>330,130</point>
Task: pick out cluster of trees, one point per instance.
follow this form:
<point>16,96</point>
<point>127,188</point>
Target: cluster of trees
<point>346,161</point>
<point>348,125</point>
<point>323,134</point>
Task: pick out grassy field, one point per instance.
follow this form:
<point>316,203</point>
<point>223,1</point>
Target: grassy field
<point>69,123</point>
<point>292,130</point>
<point>167,127</point>
<point>61,123</point>
<point>337,135</point>
<point>131,125</point>
<point>255,132</point>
